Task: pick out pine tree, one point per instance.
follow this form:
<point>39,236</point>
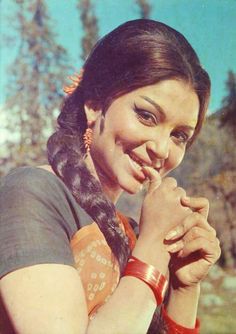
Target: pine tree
<point>90,26</point>
<point>35,80</point>
<point>145,8</point>
<point>228,110</point>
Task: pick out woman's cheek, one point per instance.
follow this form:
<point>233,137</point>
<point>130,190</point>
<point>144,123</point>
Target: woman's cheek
<point>131,136</point>
<point>175,158</point>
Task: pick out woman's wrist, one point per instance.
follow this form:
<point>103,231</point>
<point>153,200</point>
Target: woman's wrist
<point>147,273</point>
<point>182,304</point>
<point>152,252</point>
<point>186,293</point>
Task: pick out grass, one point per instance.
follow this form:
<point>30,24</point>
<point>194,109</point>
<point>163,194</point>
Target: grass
<point>219,319</point>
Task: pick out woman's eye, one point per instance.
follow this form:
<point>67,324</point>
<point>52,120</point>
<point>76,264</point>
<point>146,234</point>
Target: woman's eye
<point>181,137</point>
<point>145,116</point>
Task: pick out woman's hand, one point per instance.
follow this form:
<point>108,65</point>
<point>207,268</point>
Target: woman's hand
<point>162,209</point>
<point>193,245</point>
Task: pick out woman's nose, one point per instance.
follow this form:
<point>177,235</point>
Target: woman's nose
<point>158,149</point>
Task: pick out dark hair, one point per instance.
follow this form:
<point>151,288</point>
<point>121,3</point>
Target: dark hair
<point>137,53</point>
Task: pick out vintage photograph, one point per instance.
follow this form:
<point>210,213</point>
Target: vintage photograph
<point>117,166</point>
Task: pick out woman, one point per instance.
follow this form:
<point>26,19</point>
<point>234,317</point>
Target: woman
<point>70,262</point>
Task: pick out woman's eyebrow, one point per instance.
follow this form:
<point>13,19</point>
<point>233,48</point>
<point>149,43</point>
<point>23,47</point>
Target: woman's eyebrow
<point>187,128</point>
<point>155,105</point>
<point>161,111</point>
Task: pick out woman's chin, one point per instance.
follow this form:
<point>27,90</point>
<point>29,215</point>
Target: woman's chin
<point>132,187</point>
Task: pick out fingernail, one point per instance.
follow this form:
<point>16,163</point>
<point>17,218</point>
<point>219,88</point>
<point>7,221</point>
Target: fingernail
<point>171,235</point>
<point>172,248</point>
<point>180,254</point>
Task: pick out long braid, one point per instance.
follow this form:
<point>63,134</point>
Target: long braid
<point>65,155</point>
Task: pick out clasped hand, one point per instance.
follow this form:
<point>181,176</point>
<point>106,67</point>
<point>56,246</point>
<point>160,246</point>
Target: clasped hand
<point>181,224</point>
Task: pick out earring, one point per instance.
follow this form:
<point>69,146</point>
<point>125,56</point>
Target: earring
<point>87,137</point>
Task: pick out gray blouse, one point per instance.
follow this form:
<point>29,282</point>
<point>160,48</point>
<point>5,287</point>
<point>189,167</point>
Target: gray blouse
<point>38,217</point>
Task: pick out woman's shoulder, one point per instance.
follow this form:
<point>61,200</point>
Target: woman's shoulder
<point>36,221</point>
<point>39,180</point>
<point>40,188</point>
<point>29,175</point>
<point>26,188</point>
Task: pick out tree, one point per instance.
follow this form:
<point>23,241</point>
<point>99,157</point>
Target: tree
<point>90,26</point>
<point>145,8</point>
<point>35,80</point>
<point>228,110</point>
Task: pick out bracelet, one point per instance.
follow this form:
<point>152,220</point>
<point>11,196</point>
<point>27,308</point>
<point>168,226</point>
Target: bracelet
<point>172,327</point>
<point>148,274</point>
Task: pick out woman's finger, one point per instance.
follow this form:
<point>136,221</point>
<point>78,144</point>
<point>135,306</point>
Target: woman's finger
<point>193,219</point>
<point>194,233</point>
<point>199,204</point>
<point>210,249</point>
<point>153,177</point>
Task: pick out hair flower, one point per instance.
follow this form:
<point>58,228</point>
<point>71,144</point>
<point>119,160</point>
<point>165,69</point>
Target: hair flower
<point>76,80</point>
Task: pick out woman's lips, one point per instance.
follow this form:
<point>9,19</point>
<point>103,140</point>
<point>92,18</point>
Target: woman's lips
<point>137,168</point>
<point>141,162</point>
<point>137,163</point>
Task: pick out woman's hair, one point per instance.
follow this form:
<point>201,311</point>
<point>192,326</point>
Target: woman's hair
<point>136,54</point>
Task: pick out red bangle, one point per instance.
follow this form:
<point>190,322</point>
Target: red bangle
<point>173,328</point>
<point>148,274</point>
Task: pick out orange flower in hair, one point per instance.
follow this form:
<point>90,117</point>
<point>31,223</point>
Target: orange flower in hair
<point>76,79</point>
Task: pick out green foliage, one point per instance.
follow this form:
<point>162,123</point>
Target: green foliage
<point>228,110</point>
<point>217,315</point>
<point>90,26</point>
<point>35,79</point>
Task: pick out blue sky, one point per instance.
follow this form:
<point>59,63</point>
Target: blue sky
<point>209,25</point>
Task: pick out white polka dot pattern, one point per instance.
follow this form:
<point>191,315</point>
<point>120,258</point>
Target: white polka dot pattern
<point>94,261</point>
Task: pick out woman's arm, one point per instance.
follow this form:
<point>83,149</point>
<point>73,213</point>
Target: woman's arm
<point>49,298</point>
<point>196,249</point>
<point>131,307</point>
<point>45,298</point>
<point>182,305</point>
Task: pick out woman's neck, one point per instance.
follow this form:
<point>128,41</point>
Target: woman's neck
<point>112,191</point>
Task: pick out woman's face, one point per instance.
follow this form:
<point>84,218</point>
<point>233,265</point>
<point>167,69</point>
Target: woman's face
<point>149,126</point>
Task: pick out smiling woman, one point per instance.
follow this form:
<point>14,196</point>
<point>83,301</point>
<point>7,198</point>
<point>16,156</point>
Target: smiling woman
<point>69,259</point>
<point>149,126</point>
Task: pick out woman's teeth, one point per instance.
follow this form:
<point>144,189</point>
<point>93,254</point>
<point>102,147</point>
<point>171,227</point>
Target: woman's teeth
<point>138,163</point>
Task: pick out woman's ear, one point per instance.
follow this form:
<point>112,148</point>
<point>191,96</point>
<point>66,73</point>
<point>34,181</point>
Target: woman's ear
<point>92,112</point>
